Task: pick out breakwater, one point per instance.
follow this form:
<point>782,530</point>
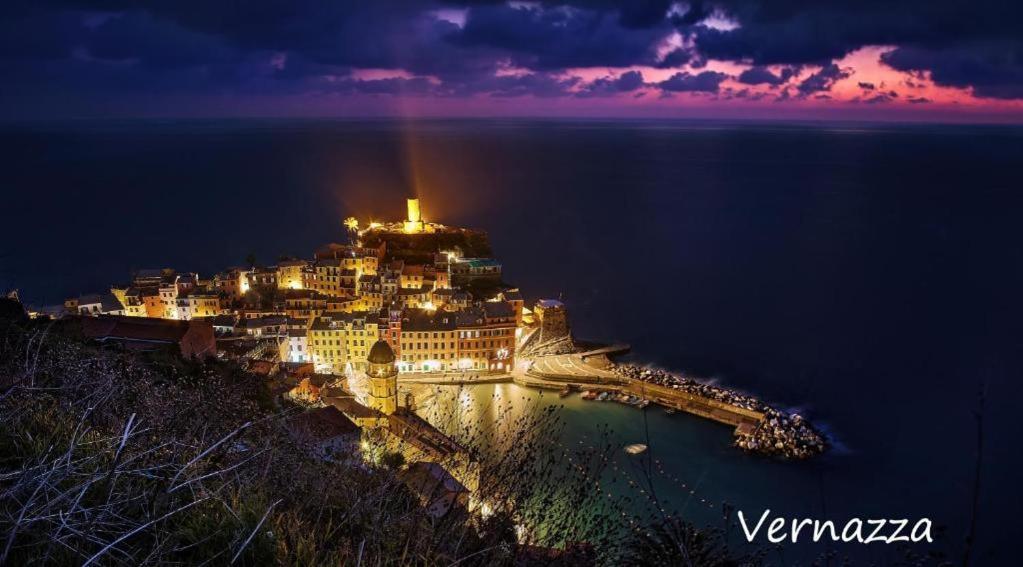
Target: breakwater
<point>759,427</point>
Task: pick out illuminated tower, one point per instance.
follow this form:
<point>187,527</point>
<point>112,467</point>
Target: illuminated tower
<point>414,223</point>
<point>383,378</point>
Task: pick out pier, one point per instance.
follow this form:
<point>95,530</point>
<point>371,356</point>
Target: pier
<point>585,371</point>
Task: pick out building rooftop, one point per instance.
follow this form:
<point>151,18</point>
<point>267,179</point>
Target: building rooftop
<point>380,353</point>
<point>322,424</point>
<point>425,320</point>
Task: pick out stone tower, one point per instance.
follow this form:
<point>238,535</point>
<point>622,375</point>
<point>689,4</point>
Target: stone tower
<point>553,319</point>
<point>383,378</point>
<point>414,222</point>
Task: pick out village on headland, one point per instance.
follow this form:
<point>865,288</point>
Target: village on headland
<point>363,330</point>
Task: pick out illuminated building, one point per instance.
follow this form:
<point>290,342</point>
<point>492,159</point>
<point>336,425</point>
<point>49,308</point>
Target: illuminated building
<point>304,303</point>
<point>413,224</point>
<point>169,300</point>
<point>465,271</point>
<point>338,339</point>
<point>232,284</point>
<point>383,378</point>
<point>131,299</point>
<point>428,341</point>
<point>152,302</point>
<point>553,319</point>
<point>486,337</point>
<point>99,304</point>
<point>298,346</point>
<point>263,278</point>
<point>197,303</point>
<point>332,278</point>
<point>291,274</point>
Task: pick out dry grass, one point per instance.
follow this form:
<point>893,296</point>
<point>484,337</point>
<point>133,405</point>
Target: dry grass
<point>116,458</point>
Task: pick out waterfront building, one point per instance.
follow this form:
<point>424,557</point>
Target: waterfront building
<point>439,492</point>
<point>486,337</point>
<point>428,341</point>
<point>552,317</point>
<point>514,297</point>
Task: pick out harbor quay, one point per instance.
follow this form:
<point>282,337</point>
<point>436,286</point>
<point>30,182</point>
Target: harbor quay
<point>758,427</point>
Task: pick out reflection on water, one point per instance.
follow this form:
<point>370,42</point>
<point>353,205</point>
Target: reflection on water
<point>671,474</point>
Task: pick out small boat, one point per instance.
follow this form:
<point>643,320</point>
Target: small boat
<point>671,411</point>
<point>642,404</point>
<point>602,397</point>
<point>588,395</point>
<point>635,448</point>
<point>565,392</point>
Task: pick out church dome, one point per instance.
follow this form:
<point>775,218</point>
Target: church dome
<point>381,353</point>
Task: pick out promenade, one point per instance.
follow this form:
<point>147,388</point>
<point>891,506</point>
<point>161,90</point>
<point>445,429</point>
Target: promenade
<point>454,378</point>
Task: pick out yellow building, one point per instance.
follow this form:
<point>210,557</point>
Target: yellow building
<point>131,299</point>
<point>291,274</point>
<point>304,303</point>
<point>383,378</point>
<point>429,341</point>
<point>338,339</point>
<point>198,303</point>
<point>327,277</point>
<point>169,301</point>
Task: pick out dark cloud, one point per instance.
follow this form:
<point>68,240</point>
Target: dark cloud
<point>867,86</point>
<point>126,48</point>
<point>763,75</point>
<point>878,99</point>
<point>607,86</point>
<point>707,81</point>
<point>993,70</point>
<point>822,80</point>
<point>678,58</point>
<point>559,37</point>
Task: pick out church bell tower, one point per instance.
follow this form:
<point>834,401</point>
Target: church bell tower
<point>383,378</point>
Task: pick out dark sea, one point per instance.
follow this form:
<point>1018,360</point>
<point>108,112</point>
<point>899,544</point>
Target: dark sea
<point>869,276</point>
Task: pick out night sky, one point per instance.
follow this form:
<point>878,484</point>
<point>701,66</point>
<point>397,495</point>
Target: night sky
<point>931,60</point>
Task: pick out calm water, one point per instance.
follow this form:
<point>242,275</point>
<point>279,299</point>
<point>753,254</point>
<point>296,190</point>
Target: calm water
<point>870,275</point>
